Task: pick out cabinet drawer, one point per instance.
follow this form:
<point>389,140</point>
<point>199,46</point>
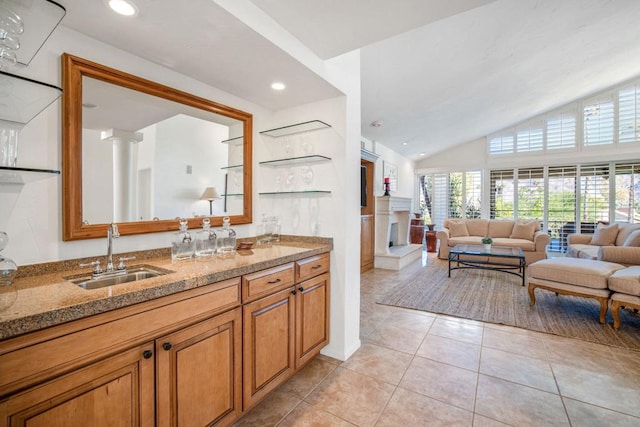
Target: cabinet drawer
<point>266,282</point>
<point>311,267</point>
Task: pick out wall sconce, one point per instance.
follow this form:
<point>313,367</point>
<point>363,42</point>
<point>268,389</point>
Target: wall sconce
<point>210,194</point>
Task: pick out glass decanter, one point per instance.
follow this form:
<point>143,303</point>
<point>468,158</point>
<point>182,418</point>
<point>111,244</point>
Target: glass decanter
<point>226,238</point>
<point>183,245</point>
<point>206,240</point>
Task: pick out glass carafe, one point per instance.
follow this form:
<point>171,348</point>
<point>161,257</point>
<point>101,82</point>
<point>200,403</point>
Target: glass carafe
<point>182,246</point>
<point>8,271</point>
<point>206,241</point>
<point>226,238</point>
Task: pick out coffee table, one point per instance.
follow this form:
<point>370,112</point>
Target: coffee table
<point>475,256</point>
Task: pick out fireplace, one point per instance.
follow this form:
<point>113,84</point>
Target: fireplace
<point>392,247</point>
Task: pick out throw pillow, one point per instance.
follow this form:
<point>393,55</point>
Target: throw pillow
<point>633,239</point>
<point>524,230</point>
<point>458,229</point>
<point>605,235</point>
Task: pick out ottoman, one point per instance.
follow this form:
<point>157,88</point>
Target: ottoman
<point>626,287</point>
<point>573,276</point>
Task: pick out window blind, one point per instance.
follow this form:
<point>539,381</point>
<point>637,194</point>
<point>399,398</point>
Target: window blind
<point>473,194</point>
<point>561,131</point>
<point>502,188</point>
<point>530,202</point>
<point>561,205</point>
<point>439,199</point>
<point>501,144</point>
<point>627,197</point>
<point>629,115</point>
<point>594,196</point>
<point>598,123</point>
<point>529,138</point>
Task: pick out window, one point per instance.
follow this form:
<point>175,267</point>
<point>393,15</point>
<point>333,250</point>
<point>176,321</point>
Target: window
<point>594,196</point>
<point>561,205</point>
<point>629,115</point>
<point>502,194</point>
<point>627,196</point>
<point>561,131</point>
<point>529,138</point>
<point>501,144</point>
<point>452,195</point>
<point>598,123</point>
<point>473,194</point>
<point>530,203</point>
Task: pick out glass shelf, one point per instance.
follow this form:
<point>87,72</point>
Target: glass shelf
<point>297,128</point>
<point>296,161</point>
<point>23,98</point>
<point>233,167</point>
<point>9,175</point>
<point>232,194</point>
<point>302,192</point>
<point>234,141</point>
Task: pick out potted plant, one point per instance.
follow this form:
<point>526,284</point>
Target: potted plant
<point>487,241</point>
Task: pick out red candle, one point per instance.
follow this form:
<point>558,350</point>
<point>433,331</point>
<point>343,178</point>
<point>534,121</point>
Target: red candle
<point>386,180</point>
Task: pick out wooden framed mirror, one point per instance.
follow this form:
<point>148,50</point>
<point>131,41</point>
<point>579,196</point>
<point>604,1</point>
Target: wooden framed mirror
<point>141,154</point>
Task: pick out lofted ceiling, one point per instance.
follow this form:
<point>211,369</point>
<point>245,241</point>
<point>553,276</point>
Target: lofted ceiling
<point>437,73</point>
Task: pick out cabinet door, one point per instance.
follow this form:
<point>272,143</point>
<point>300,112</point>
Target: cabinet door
<point>199,373</point>
<point>117,391</point>
<point>268,344</point>
<point>366,242</point>
<point>312,318</point>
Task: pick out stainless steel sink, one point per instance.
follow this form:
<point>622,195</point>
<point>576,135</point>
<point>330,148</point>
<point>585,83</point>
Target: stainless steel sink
<point>133,274</point>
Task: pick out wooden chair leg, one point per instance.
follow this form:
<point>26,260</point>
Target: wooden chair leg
<point>532,295</point>
<point>604,303</point>
<point>615,311</point>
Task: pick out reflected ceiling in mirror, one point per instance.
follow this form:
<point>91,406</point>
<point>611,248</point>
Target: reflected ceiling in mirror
<point>141,154</point>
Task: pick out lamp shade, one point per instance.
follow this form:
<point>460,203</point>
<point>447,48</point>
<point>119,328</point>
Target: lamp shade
<point>210,193</point>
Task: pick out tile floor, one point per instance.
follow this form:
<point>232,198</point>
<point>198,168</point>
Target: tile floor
<point>421,369</point>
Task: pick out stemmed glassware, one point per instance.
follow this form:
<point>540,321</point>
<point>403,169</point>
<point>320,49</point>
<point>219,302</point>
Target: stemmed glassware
<point>8,271</point>
<point>11,25</point>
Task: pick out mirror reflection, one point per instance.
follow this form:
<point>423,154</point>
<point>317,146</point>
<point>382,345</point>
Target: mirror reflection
<point>142,154</point>
<point>146,158</point>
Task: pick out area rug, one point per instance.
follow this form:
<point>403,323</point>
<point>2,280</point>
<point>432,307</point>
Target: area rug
<point>498,297</point>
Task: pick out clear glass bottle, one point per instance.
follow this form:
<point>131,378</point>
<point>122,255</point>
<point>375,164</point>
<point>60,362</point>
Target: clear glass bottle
<point>8,271</point>
<point>183,244</point>
<point>206,241</point>
<point>226,238</point>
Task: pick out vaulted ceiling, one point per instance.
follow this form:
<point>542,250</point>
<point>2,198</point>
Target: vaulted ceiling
<point>437,73</point>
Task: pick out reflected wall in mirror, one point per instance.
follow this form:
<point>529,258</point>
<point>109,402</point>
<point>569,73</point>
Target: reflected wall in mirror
<point>141,154</point>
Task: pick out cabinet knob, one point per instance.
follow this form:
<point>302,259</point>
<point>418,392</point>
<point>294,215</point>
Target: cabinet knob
<point>301,289</point>
<point>294,292</point>
<point>147,354</point>
<point>167,346</point>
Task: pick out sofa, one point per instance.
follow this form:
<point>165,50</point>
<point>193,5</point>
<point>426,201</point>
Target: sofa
<point>525,234</point>
<point>618,242</point>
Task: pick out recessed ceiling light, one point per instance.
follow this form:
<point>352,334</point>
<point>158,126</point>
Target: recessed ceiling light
<point>422,154</point>
<point>123,7</point>
<point>278,86</point>
<point>377,123</point>
<point>404,143</point>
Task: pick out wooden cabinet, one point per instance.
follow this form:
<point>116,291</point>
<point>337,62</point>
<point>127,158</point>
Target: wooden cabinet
<point>366,242</point>
<point>199,376</point>
<point>286,329</point>
<point>117,391</point>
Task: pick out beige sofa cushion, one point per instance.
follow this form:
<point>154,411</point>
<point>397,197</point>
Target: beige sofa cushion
<point>500,228</point>
<point>633,239</point>
<point>524,230</point>
<point>626,281</point>
<point>605,235</point>
<point>458,229</point>
<point>624,231</point>
<point>478,227</point>
<point>526,245</point>
<point>573,271</point>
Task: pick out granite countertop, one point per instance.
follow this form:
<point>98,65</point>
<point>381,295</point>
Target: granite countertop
<point>42,300</point>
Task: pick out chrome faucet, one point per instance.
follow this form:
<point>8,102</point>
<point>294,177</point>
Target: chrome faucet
<point>112,233</point>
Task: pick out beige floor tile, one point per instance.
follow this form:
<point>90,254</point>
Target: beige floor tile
<point>613,391</point>
<point>453,352</point>
<point>575,352</point>
<point>526,345</point>
<point>305,415</point>
<point>329,359</point>
<point>583,414</point>
<point>308,378</point>
<point>412,409</point>
<point>482,421</point>
<point>460,319</point>
<point>449,384</point>
<point>400,339</point>
<point>270,411</point>
<point>409,320</point>
<point>379,362</point>
<point>461,331</point>
<point>518,369</point>
<point>517,404</point>
<point>353,397</point>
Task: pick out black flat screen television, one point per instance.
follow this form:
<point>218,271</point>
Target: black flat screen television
<point>363,186</point>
